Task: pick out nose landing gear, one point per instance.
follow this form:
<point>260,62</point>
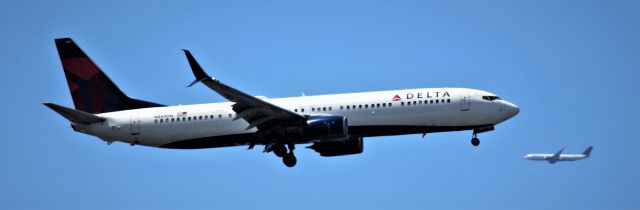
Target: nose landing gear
<point>474,139</point>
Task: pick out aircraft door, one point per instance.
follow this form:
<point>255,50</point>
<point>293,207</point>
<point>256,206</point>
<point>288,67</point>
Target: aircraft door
<point>465,102</point>
<point>135,125</point>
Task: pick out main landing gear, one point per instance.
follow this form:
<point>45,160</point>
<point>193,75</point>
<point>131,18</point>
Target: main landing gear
<point>474,140</point>
<point>289,159</point>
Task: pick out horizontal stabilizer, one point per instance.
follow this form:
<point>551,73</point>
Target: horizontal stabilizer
<point>73,115</point>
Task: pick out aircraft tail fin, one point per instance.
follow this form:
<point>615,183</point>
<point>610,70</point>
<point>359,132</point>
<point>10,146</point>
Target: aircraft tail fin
<point>92,91</point>
<point>74,115</point>
<point>588,151</point>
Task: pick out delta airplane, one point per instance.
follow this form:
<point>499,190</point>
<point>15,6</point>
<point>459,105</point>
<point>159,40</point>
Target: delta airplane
<point>333,124</point>
<point>558,156</point>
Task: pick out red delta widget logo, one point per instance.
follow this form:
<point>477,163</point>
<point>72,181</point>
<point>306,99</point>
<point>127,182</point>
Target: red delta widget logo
<point>420,95</point>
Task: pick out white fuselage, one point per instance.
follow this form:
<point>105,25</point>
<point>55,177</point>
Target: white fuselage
<point>429,108</point>
<point>562,157</point>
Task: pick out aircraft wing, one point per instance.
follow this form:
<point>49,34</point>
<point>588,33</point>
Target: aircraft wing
<point>258,113</point>
<point>556,156</point>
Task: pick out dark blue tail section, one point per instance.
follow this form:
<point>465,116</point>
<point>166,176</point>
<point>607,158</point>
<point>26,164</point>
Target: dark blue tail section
<point>588,151</point>
<point>92,91</point>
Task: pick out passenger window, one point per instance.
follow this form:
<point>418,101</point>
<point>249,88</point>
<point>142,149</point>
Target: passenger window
<point>414,102</point>
<point>366,106</point>
<point>384,105</point>
<point>172,119</point>
<point>200,118</point>
<point>353,107</point>
<point>296,110</point>
<point>155,121</point>
<point>206,117</point>
<point>419,102</point>
<point>378,105</point>
<point>230,115</point>
<point>329,108</point>
<point>389,104</point>
<point>161,120</point>
<point>301,110</point>
<point>431,102</point>
<point>313,109</point>
<point>324,109</point>
<point>401,103</point>
<point>359,106</point>
<point>436,101</point>
<point>408,103</point>
<point>348,107</point>
<point>341,107</point>
<point>220,116</point>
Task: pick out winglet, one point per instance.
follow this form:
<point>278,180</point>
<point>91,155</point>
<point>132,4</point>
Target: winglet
<point>588,151</point>
<point>198,72</point>
<point>73,115</point>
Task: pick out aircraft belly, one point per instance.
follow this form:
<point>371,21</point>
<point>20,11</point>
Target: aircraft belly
<point>161,134</point>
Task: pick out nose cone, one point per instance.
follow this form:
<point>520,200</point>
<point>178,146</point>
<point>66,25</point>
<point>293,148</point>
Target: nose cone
<point>510,110</point>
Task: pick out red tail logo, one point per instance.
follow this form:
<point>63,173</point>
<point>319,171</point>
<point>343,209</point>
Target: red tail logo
<point>396,98</point>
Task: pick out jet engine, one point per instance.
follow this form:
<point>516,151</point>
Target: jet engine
<point>326,128</point>
<point>350,146</point>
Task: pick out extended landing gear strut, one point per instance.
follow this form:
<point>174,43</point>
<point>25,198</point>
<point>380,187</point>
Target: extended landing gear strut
<point>279,150</point>
<point>474,139</point>
<point>289,159</point>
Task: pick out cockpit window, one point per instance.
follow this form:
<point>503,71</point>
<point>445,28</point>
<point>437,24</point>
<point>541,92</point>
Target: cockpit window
<point>490,98</point>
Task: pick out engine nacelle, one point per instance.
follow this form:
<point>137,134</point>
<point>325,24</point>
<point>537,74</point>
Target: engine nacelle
<point>350,146</point>
<point>326,128</point>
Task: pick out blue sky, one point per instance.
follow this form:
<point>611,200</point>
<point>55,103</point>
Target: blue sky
<point>571,66</point>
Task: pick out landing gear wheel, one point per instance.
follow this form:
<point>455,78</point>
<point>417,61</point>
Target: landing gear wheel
<point>475,141</point>
<point>280,150</point>
<point>289,160</point>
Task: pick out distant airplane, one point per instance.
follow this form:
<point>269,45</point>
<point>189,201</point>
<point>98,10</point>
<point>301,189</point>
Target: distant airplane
<point>104,111</point>
<point>553,158</point>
